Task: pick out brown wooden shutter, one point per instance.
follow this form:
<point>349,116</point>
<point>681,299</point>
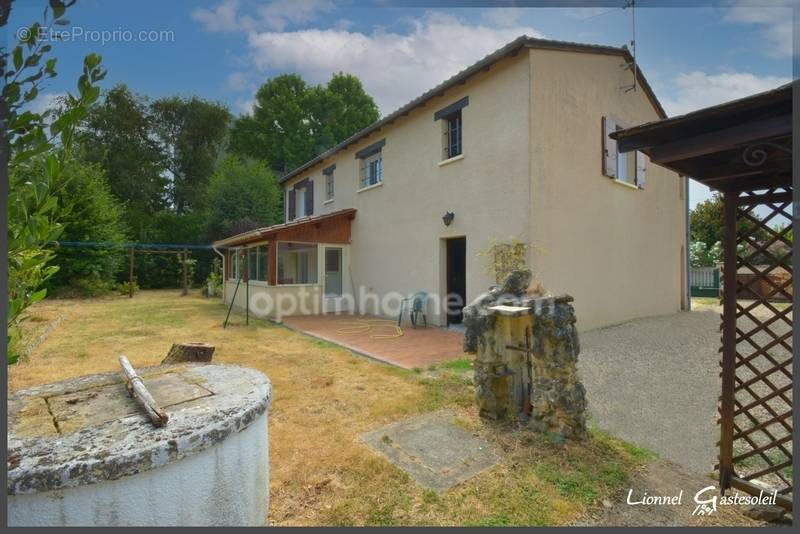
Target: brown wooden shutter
<point>309,198</point>
<point>609,148</point>
<point>292,206</point>
<point>641,168</point>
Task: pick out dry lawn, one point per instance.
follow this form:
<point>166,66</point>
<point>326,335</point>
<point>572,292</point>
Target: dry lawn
<point>324,397</point>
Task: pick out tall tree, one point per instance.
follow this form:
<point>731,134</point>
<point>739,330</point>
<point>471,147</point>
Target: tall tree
<point>242,195</point>
<point>91,213</point>
<point>118,136</point>
<point>192,133</point>
<point>705,221</point>
<point>292,122</point>
<point>351,108</point>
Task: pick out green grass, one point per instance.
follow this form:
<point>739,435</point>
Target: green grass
<point>324,474</point>
<point>714,301</point>
<point>463,364</point>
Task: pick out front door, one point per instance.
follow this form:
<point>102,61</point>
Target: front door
<point>456,279</point>
<point>333,279</point>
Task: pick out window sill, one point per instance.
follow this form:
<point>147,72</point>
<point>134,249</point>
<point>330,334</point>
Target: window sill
<point>373,186</point>
<point>625,184</point>
<point>328,201</point>
<point>297,285</point>
<point>259,283</point>
<point>451,160</point>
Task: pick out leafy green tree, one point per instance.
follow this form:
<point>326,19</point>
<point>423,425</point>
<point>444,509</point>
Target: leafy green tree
<point>92,213</point>
<point>242,195</point>
<point>705,225</point>
<point>292,122</point>
<point>705,221</point>
<point>192,133</point>
<point>343,109</point>
<point>117,135</point>
<point>30,139</point>
<point>701,256</point>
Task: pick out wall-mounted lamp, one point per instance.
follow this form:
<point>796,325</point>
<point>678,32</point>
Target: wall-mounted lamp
<point>448,217</point>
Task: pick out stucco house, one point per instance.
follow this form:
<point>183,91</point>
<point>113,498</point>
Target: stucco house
<point>514,147</point>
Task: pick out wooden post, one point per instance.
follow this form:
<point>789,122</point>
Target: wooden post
<point>130,274</point>
<point>729,291</point>
<point>185,273</point>
<point>272,263</point>
<point>247,287</point>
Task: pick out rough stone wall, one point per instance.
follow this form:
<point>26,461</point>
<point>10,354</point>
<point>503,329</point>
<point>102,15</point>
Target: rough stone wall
<point>555,401</point>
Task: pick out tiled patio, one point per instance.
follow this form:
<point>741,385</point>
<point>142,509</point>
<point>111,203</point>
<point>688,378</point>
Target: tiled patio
<point>373,337</point>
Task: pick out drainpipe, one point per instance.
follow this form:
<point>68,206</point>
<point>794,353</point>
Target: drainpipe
<point>221,255</point>
<point>687,289</point>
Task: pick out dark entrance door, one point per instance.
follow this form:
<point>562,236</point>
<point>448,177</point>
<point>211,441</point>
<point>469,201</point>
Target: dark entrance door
<point>456,279</point>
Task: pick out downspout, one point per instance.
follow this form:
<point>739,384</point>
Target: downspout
<point>687,289</point>
<point>221,255</point>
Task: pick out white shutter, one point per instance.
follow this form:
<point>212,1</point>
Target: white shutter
<point>609,148</point>
<point>641,168</point>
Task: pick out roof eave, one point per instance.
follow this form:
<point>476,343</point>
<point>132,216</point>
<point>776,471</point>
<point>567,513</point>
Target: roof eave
<point>511,49</point>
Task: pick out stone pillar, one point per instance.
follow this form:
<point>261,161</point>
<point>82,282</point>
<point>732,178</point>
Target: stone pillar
<point>558,398</point>
<point>526,353</point>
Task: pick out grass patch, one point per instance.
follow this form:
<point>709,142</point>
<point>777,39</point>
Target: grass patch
<point>457,365</point>
<point>324,398</point>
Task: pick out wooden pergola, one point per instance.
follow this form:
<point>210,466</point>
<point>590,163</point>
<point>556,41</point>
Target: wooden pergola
<point>743,149</point>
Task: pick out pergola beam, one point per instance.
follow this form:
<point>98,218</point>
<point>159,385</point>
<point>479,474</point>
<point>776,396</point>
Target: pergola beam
<point>720,140</point>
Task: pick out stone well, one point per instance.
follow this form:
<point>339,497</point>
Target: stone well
<point>82,453</point>
<point>526,357</point>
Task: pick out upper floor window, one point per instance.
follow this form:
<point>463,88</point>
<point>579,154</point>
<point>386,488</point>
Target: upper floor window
<point>329,184</point>
<point>371,164</point>
<point>300,200</point>
<point>371,170</point>
<point>452,127</point>
<point>626,167</point>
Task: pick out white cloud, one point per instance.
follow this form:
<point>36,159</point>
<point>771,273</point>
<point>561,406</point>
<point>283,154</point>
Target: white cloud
<point>280,13</point>
<point>394,67</point>
<point>277,15</point>
<point>504,17</point>
<point>774,22</point>
<point>222,18</point>
<point>695,90</point>
<point>46,101</point>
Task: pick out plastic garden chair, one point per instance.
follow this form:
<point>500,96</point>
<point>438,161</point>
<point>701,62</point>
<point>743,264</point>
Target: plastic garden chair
<point>414,305</point>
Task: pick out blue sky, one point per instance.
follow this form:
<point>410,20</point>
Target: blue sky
<point>224,49</point>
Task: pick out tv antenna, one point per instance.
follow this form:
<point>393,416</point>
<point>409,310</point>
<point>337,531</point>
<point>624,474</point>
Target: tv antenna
<point>632,66</point>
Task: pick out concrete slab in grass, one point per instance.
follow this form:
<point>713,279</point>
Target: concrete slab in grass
<point>435,452</point>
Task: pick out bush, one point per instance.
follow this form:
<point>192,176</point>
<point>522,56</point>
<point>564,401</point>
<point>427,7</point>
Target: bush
<point>123,288</point>
<point>91,214</point>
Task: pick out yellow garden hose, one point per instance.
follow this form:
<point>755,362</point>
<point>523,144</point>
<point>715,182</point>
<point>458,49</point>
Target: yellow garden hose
<point>362,326</point>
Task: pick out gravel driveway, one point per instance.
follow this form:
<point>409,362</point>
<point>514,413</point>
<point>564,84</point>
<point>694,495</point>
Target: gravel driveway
<point>655,382</point>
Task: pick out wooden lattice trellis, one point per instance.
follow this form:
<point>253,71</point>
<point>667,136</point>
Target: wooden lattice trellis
<point>756,401</point>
